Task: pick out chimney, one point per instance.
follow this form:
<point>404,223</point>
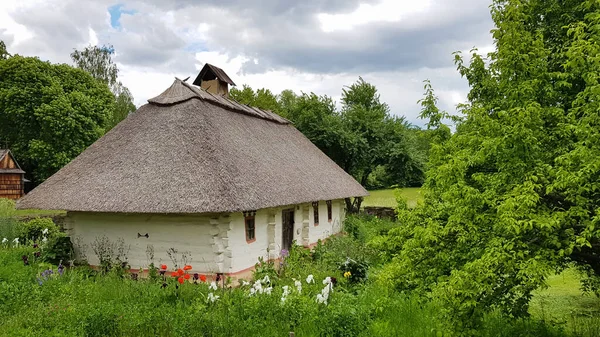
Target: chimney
<point>214,80</point>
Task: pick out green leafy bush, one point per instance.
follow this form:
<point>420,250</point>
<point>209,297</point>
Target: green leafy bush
<point>34,230</point>
<point>58,248</point>
<point>354,271</point>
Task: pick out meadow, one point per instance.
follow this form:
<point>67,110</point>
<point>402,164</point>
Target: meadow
<point>387,197</point>
<point>332,290</point>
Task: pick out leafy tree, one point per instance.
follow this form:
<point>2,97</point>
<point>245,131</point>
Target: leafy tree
<point>98,62</point>
<point>364,119</point>
<point>316,117</point>
<point>514,194</point>
<point>439,132</point>
<point>3,52</point>
<point>50,113</point>
<point>261,98</point>
<point>287,101</point>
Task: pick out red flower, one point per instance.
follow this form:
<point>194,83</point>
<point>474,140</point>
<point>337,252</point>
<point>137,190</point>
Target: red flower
<point>174,274</point>
<point>186,276</point>
<point>163,266</point>
<point>187,267</point>
<point>180,280</point>
<point>203,278</point>
<point>180,272</point>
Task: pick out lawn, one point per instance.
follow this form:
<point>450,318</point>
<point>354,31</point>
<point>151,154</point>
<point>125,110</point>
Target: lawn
<point>22,213</point>
<point>564,303</point>
<point>387,198</point>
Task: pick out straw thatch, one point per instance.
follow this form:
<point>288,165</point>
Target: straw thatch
<point>192,152</point>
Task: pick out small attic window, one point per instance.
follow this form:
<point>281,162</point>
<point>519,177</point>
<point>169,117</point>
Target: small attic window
<point>250,226</point>
<point>315,206</point>
<point>329,212</point>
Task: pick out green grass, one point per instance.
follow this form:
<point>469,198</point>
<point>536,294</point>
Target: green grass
<point>564,303</point>
<point>387,198</point>
<point>37,212</point>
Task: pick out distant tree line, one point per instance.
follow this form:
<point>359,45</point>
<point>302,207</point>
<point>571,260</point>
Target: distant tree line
<point>376,147</point>
<point>50,113</point>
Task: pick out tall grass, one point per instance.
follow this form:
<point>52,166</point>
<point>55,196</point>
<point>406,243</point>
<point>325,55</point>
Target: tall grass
<point>8,224</point>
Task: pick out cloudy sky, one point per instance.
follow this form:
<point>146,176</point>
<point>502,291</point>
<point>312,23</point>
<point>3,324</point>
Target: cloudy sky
<point>309,45</point>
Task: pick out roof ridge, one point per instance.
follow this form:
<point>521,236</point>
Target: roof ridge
<point>175,94</point>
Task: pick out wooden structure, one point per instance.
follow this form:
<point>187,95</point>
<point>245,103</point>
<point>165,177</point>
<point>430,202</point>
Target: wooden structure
<point>11,176</point>
<point>214,80</point>
<point>381,212</point>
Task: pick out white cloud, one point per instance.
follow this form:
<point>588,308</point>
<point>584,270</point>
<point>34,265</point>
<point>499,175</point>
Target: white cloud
<point>17,31</point>
<point>386,11</point>
<point>93,37</point>
<point>312,46</point>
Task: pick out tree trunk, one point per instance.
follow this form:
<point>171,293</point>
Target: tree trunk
<point>353,205</point>
<point>349,206</point>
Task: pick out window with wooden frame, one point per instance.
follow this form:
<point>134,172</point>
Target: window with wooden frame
<point>315,206</point>
<point>250,226</point>
<point>329,212</point>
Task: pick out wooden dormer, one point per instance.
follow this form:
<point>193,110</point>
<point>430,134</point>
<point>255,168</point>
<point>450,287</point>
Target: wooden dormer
<point>214,80</point>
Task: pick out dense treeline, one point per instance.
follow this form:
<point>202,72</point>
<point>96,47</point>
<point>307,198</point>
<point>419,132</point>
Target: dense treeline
<point>513,195</point>
<point>50,113</point>
<point>380,150</point>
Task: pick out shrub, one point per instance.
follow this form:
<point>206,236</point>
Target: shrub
<point>111,254</point>
<point>58,249</point>
<point>33,229</point>
<point>365,227</point>
<point>264,268</point>
<point>354,271</point>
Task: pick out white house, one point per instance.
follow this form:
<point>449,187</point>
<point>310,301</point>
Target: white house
<point>195,171</point>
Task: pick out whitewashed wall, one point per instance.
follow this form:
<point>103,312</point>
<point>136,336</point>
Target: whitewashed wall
<point>217,243</point>
<point>198,234</point>
<point>244,254</point>
<point>326,228</point>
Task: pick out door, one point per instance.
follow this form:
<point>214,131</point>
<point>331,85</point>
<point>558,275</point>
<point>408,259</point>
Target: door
<point>287,217</point>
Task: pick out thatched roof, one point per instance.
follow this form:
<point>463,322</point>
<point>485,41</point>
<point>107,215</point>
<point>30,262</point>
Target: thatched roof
<point>188,151</point>
<point>17,170</point>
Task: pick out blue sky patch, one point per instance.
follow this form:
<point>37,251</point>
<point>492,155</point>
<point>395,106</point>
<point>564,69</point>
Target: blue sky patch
<point>115,14</point>
<point>196,47</point>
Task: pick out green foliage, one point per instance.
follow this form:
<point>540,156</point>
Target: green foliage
<point>9,227</point>
<point>98,62</point>
<point>50,113</point>
<point>59,249</point>
<point>3,52</point>
<point>264,268</point>
<point>7,208</point>
<point>112,255</point>
<point>84,303</point>
<point>34,230</point>
<point>262,98</point>
<point>513,195</point>
<point>354,271</point>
